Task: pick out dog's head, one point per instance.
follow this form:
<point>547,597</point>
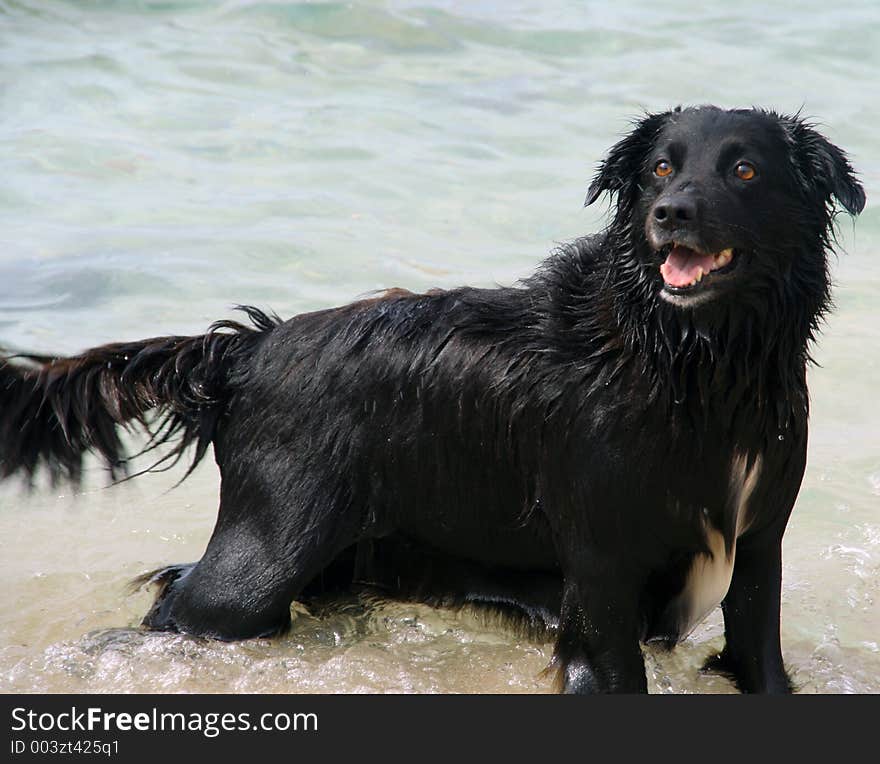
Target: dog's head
<point>720,204</point>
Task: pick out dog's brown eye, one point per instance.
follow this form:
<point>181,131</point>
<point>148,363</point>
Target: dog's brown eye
<point>662,169</point>
<point>745,171</point>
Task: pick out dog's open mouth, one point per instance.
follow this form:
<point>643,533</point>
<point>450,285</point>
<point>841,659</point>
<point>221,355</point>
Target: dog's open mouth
<point>685,268</point>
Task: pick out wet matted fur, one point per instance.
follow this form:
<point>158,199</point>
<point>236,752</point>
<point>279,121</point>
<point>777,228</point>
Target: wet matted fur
<point>611,447</point>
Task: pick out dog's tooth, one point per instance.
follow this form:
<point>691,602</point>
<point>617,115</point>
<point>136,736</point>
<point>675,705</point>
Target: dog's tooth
<point>722,258</point>
<point>699,275</point>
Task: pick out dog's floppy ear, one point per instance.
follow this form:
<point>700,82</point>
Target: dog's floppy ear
<point>823,167</point>
<point>621,168</point>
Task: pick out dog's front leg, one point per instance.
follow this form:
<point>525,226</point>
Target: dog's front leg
<point>752,655</point>
<point>597,647</point>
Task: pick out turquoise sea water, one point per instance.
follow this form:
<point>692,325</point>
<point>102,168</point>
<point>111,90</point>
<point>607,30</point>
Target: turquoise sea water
<point>163,161</point>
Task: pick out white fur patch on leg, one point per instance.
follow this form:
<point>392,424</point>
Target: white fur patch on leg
<point>710,573</point>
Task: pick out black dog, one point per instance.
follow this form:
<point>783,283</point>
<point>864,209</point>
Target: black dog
<point>612,447</point>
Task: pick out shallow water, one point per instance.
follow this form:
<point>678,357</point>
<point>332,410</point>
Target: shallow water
<point>162,162</point>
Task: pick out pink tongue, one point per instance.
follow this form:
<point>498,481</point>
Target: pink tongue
<point>681,267</point>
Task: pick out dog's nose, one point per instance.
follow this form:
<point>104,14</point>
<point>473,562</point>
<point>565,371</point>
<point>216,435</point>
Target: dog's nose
<point>675,211</point>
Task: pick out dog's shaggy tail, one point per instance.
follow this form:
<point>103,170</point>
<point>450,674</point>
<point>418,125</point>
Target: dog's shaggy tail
<point>53,411</point>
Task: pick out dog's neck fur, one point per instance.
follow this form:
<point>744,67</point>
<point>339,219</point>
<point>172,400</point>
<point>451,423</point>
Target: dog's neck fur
<point>706,356</point>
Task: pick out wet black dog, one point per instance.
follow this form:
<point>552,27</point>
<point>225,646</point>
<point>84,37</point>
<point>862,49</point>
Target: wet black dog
<point>612,447</point>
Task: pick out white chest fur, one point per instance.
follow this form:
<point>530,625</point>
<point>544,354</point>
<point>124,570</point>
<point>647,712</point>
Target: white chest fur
<point>709,576</point>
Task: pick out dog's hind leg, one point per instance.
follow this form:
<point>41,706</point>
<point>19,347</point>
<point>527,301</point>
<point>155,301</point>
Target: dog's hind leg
<point>269,542</point>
